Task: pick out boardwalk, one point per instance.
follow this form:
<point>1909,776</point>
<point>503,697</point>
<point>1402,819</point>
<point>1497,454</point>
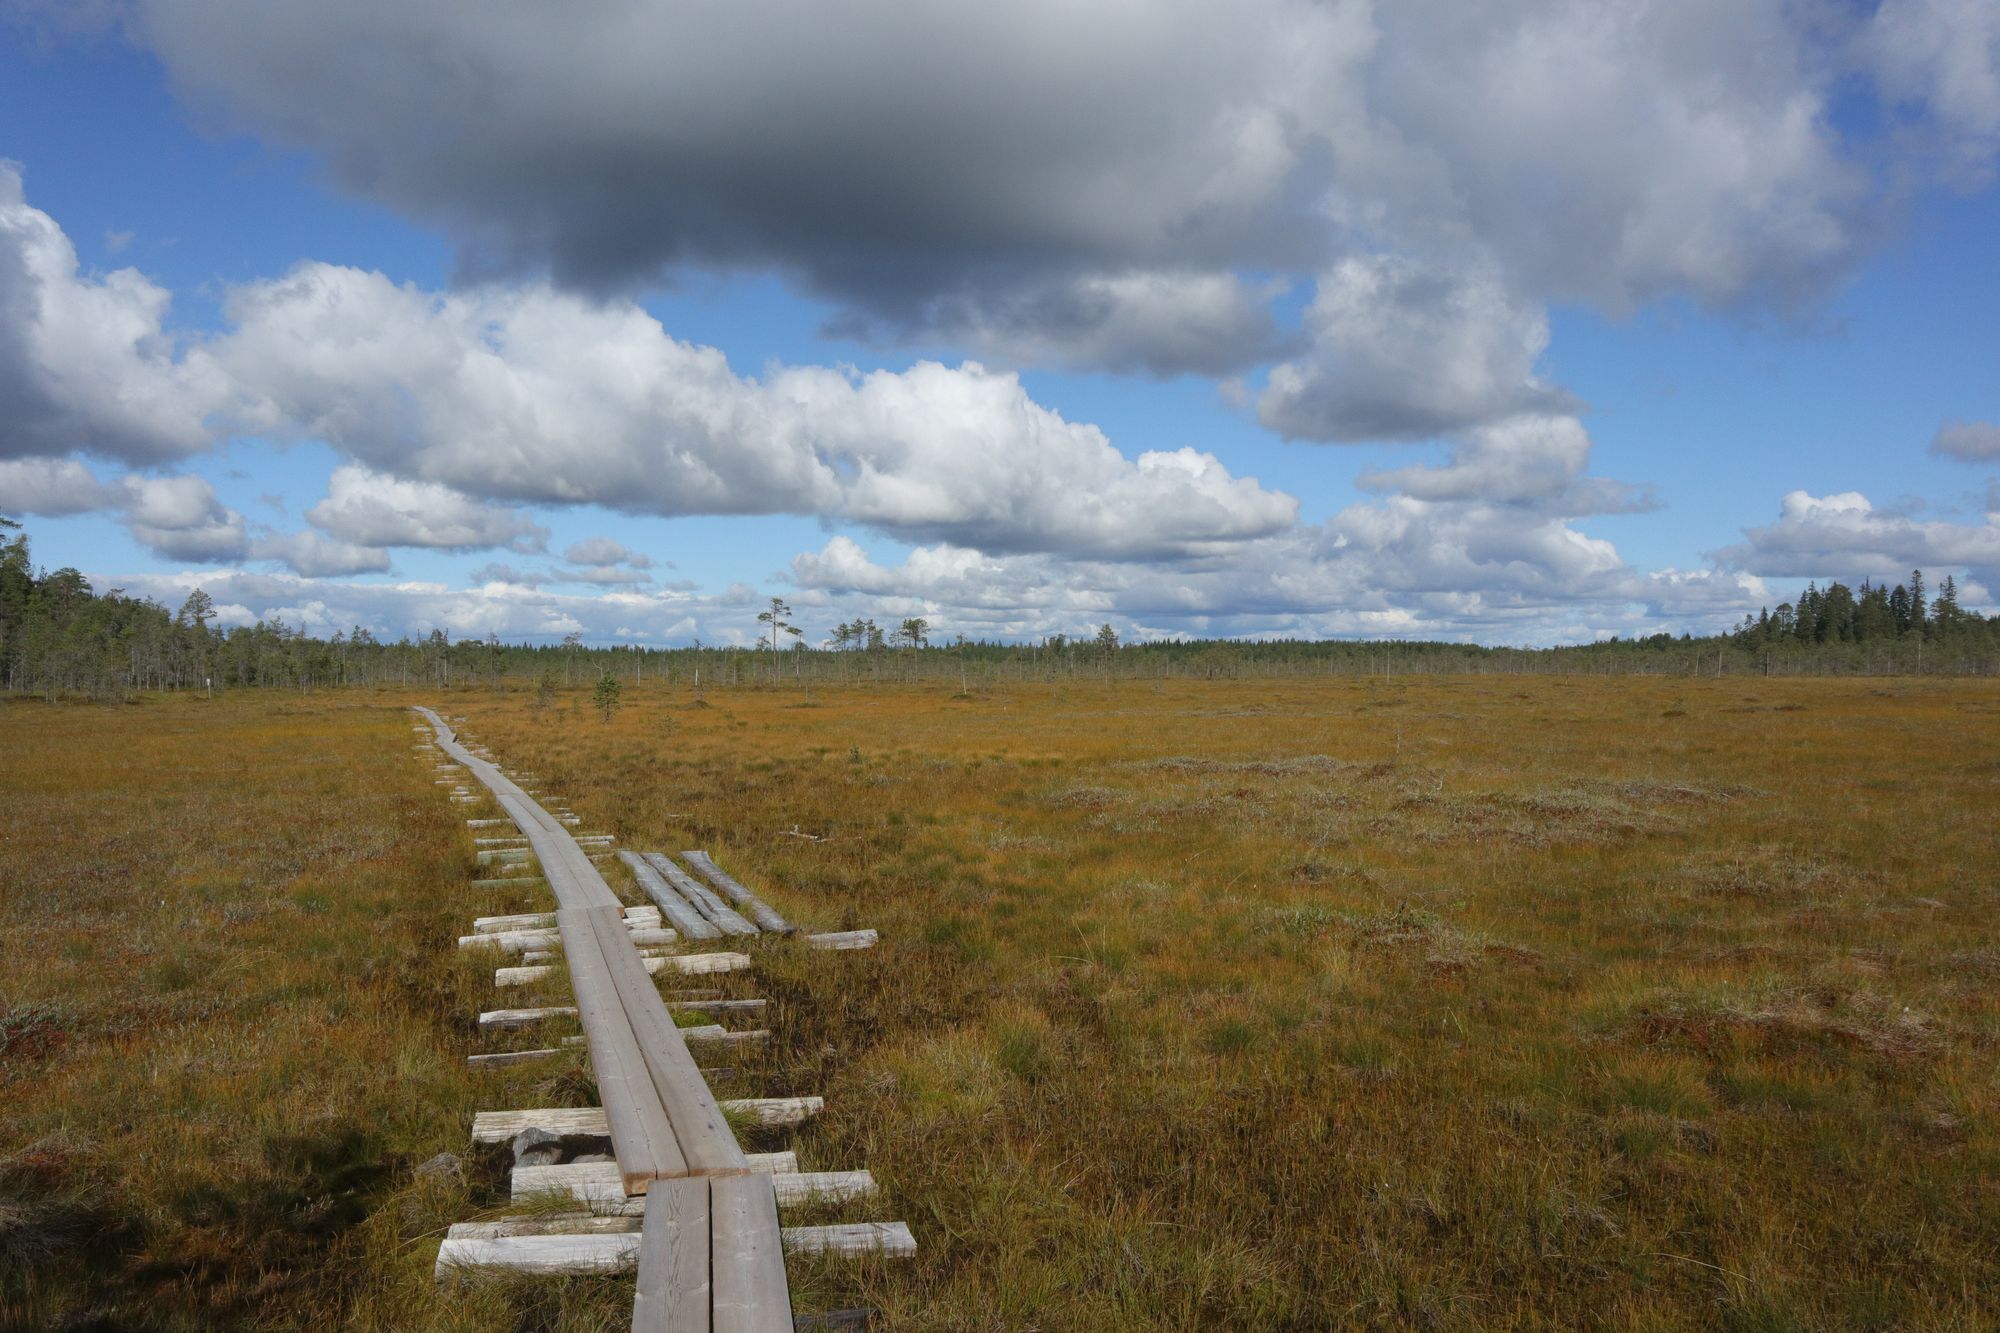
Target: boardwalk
<point>710,1254</point>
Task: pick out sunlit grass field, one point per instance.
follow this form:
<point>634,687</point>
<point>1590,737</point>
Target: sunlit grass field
<point>1291,1004</point>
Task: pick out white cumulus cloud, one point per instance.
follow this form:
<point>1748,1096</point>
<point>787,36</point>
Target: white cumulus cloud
<point>86,364</point>
<point>529,394</point>
<point>366,508</point>
<point>1845,536</point>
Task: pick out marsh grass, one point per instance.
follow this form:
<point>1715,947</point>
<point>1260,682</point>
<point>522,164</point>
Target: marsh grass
<point>1250,1004</point>
<point>232,1022</point>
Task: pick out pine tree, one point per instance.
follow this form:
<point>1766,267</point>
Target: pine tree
<point>1944,611</point>
<point>605,697</point>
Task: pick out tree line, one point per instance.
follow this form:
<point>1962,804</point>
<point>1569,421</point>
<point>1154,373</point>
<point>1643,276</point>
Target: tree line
<point>60,637</point>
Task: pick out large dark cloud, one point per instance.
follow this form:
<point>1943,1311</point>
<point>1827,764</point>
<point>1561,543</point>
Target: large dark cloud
<point>1034,176</point>
<point>886,154</point>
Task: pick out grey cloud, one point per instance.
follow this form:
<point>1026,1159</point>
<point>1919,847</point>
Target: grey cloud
<point>883,153</point>
<point>1939,61</point>
<point>601,551</point>
<point>602,576</point>
<point>176,517</point>
<point>1156,323</point>
<point>1533,460</point>
<point>1969,441</point>
<point>316,556</point>
<point>51,486</point>
<point>1403,350</point>
<point>982,171</point>
<point>180,518</point>
<point>494,572</point>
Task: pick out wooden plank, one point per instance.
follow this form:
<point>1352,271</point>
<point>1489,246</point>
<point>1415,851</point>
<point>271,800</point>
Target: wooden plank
<point>504,1020</point>
<point>714,1034</point>
<point>642,1134</point>
<point>504,1059</point>
<point>510,882</point>
<point>726,918</point>
<point>544,1224</point>
<point>589,1121</point>
<point>672,1295</point>
<point>563,1121</point>
<point>508,1020</point>
<point>719,1006</point>
<point>698,964</point>
<point>490,925</point>
<point>703,1133</point>
<point>775,1111</point>
<point>673,907</point>
<point>822,1187</point>
<point>747,1257</point>
<point>890,1239</point>
<point>686,964</point>
<point>493,925</point>
<point>599,1182</point>
<point>844,939</point>
<point>756,908</point>
<point>520,941</point>
<point>557,1254</point>
<point>512,941</point>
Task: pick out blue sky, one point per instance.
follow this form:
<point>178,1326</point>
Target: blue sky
<point>1351,322</point>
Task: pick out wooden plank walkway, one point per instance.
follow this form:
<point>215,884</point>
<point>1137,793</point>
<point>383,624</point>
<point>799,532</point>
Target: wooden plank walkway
<point>708,1248</point>
<point>664,1122</point>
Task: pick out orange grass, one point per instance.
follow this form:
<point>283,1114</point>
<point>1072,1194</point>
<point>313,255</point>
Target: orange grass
<point>1444,1002</point>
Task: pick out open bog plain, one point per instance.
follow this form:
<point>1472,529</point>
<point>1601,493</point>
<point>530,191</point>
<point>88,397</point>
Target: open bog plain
<point>1295,1003</point>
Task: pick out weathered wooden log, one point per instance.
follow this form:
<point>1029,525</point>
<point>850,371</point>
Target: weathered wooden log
<point>889,1239</point>
<point>522,941</point>
<point>753,906</point>
<point>507,1059</point>
<point>844,939</point>
<point>489,925</point>
<point>599,1183</point>
<point>509,856</point>
<point>726,918</point>
<point>589,1121</point>
<point>717,1035</point>
<point>548,1254</point>
<point>509,1020</point>
<point>672,905</point>
<point>504,1020</point>
<point>544,1224</point>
